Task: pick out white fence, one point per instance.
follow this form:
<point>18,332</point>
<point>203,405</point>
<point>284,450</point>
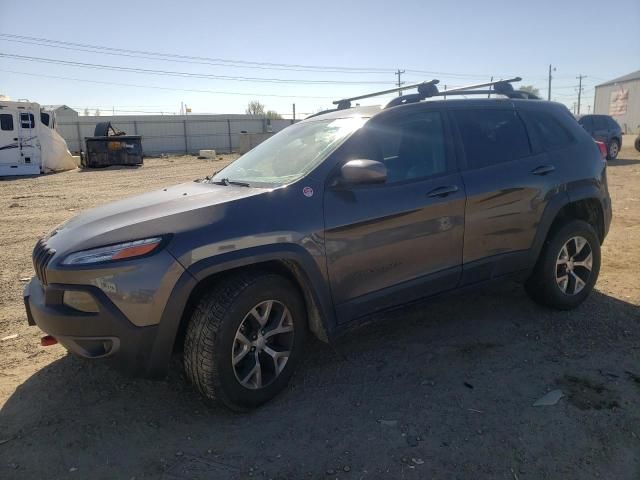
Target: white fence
<point>173,133</point>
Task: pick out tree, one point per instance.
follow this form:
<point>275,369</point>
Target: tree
<point>97,114</point>
<point>255,108</point>
<point>86,112</point>
<point>273,115</point>
<point>531,89</point>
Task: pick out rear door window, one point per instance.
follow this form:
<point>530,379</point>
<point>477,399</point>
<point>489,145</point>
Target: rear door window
<point>6,121</point>
<point>587,123</point>
<point>545,131</point>
<point>491,136</point>
<point>601,123</point>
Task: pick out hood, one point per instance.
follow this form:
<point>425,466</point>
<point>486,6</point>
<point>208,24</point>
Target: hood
<point>171,210</point>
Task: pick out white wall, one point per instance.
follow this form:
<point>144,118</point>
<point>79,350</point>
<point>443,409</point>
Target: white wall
<point>630,122</point>
<point>166,133</point>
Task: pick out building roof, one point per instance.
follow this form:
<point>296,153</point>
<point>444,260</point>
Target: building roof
<point>58,107</point>
<point>625,78</point>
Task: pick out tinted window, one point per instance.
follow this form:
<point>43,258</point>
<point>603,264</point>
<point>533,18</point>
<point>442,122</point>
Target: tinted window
<point>586,122</point>
<point>545,131</point>
<point>27,120</point>
<point>6,121</point>
<point>45,118</point>
<point>613,124</point>
<point>412,147</point>
<point>491,136</point>
<point>600,123</point>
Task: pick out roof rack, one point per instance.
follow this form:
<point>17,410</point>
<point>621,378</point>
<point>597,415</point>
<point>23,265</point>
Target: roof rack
<point>429,89</point>
<point>424,88</point>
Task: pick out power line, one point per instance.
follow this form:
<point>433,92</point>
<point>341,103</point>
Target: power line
<point>146,71</point>
<point>195,90</point>
<point>50,42</point>
<point>151,55</point>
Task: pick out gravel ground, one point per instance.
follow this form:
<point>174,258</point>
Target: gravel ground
<point>439,390</point>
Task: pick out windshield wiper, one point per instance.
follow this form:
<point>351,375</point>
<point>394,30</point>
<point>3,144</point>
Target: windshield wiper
<point>226,182</point>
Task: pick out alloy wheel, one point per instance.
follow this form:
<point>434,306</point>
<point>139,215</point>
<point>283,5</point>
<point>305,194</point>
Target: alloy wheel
<point>574,265</point>
<point>262,344</point>
<point>613,149</point>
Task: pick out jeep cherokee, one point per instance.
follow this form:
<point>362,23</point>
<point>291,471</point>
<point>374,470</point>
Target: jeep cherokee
<point>342,215</point>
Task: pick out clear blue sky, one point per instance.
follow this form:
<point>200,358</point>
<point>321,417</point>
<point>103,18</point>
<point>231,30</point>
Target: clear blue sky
<point>464,41</point>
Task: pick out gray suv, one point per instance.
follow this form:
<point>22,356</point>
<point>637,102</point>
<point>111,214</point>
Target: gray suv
<point>345,214</point>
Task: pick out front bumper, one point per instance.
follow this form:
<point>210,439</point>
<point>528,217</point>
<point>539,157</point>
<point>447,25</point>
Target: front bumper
<point>106,335</point>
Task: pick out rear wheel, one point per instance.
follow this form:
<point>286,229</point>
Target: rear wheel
<point>568,267</point>
<point>614,149</point>
<point>245,339</point>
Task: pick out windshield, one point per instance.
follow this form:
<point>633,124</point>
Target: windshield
<point>290,154</point>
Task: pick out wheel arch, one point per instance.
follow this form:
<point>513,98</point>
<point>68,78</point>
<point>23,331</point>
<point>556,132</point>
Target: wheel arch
<point>582,205</point>
<point>292,262</point>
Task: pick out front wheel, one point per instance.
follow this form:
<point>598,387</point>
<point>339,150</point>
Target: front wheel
<point>245,339</point>
<point>568,267</point>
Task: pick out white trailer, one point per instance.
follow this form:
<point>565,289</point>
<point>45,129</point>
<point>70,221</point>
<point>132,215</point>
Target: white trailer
<point>28,143</point>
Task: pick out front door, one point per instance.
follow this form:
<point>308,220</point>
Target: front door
<point>9,151</point>
<point>395,242</point>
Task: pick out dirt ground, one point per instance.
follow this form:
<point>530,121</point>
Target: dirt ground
<point>440,390</point>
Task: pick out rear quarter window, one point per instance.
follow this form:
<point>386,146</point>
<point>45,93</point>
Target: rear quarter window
<point>545,131</point>
<point>491,136</point>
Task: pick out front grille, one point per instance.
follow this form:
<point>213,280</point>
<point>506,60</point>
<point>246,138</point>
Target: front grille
<point>41,256</point>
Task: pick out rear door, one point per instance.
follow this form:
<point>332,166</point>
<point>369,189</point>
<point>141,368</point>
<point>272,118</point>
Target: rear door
<point>391,243</point>
<point>508,186</point>
<point>28,142</point>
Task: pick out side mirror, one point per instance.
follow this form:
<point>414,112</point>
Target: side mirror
<point>361,172</point>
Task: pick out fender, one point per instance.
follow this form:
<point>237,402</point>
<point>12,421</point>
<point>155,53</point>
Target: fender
<point>544,225</point>
<point>300,263</point>
<point>594,191</point>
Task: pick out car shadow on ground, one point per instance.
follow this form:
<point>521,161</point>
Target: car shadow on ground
<point>443,388</point>
<point>622,162</point>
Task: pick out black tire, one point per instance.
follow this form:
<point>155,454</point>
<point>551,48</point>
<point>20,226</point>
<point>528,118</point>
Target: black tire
<point>637,143</point>
<point>542,285</point>
<point>211,333</point>
<point>613,150</point>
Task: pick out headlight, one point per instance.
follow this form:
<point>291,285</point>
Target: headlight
<point>119,251</point>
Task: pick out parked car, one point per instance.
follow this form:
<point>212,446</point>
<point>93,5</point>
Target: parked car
<point>340,216</point>
<point>604,129</point>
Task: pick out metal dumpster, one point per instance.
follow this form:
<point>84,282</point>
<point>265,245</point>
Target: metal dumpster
<point>109,146</point>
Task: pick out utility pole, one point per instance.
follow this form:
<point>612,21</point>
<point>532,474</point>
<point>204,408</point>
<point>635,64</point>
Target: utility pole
<point>549,90</point>
<point>580,77</point>
<point>398,74</point>
<point>294,112</point>
<point>489,94</point>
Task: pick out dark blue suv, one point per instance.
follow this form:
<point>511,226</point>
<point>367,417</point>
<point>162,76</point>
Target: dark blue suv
<point>604,129</point>
<point>336,218</point>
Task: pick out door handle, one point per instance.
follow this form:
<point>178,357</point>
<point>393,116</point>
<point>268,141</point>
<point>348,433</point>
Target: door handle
<point>15,139</point>
<point>443,191</point>
<point>543,170</point>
